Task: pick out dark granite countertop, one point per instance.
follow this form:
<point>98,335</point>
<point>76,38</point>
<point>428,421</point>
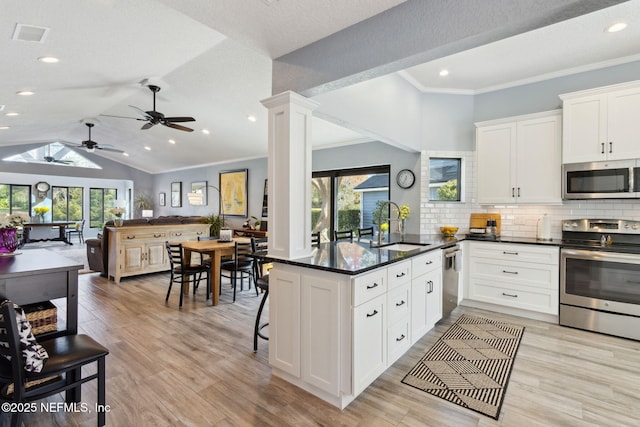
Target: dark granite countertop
<point>357,257</point>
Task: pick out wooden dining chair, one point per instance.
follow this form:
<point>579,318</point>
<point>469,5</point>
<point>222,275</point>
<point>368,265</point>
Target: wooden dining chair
<point>61,371</point>
<point>76,229</point>
<point>184,274</point>
<point>342,235</point>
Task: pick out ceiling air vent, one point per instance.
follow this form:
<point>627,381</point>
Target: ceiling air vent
<point>29,33</point>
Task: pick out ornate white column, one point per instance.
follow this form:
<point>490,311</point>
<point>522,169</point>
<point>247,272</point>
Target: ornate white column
<point>289,175</point>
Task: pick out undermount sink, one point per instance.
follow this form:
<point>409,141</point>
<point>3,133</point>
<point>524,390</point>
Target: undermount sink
<point>403,246</point>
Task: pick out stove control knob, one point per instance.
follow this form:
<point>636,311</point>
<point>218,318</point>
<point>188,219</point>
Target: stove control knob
<point>635,226</point>
<point>626,226</point>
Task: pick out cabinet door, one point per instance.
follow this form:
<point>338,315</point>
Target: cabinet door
<point>284,311</point>
<point>321,333</point>
<point>623,113</point>
<point>156,255</point>
<point>132,257</point>
<point>538,165</point>
<point>369,342</point>
<point>426,303</point>
<point>495,147</point>
<point>584,129</point>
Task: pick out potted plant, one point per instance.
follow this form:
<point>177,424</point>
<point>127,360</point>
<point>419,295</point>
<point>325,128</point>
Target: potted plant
<point>215,224</point>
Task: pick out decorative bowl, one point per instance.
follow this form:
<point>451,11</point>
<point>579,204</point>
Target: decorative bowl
<point>448,230</point>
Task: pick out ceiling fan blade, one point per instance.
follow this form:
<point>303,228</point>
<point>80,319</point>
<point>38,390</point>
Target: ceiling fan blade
<point>148,125</point>
<point>179,127</point>
<point>179,119</point>
<point>141,112</point>
<point>123,117</point>
<point>115,150</point>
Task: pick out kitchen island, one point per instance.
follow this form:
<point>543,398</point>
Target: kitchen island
<point>340,317</point>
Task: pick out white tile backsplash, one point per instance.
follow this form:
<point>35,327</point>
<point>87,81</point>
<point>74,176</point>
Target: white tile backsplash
<point>517,221</point>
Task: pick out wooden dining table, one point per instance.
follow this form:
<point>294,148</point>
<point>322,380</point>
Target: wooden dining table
<point>215,249</point>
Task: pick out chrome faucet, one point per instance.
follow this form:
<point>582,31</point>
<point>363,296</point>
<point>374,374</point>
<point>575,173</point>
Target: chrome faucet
<point>386,203</point>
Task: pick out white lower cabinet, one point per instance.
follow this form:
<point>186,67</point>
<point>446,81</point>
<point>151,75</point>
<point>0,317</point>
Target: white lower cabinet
<point>333,334</point>
<point>518,276</point>
<point>426,293</point>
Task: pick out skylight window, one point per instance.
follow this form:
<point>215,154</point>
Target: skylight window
<point>54,154</point>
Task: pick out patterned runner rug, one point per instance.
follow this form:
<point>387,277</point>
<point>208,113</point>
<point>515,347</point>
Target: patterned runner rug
<point>470,364</point>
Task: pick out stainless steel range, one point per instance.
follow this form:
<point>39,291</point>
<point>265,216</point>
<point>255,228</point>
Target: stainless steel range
<point>600,276</point>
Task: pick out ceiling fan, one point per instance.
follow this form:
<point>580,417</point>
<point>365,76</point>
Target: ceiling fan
<point>91,146</point>
<point>154,117</point>
<point>52,159</point>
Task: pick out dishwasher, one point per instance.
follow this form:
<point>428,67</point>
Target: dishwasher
<point>451,263</point>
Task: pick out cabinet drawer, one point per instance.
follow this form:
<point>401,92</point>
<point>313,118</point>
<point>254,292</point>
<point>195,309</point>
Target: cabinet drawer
<point>398,340</point>
<point>398,303</point>
<point>425,263</point>
<point>144,235</point>
<point>516,273</point>
<point>369,285</point>
<point>544,301</point>
<point>399,273</point>
<point>514,252</point>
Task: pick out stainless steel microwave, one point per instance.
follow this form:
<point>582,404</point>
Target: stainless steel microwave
<point>618,179</point>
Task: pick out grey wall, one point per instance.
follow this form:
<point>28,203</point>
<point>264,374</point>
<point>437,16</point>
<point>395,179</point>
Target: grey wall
<point>543,96</point>
<point>257,173</point>
<point>373,154</point>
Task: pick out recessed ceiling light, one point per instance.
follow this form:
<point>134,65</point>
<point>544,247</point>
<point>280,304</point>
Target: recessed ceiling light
<point>25,93</point>
<point>205,131</point>
<point>12,114</point>
<point>4,127</point>
<point>48,59</point>
<point>125,154</point>
<point>618,26</point>
<point>171,141</point>
<point>251,118</point>
<point>146,147</point>
<point>444,73</point>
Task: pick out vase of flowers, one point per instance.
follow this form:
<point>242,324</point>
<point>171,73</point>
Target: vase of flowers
<point>11,232</point>
<point>40,211</point>
<point>118,214</point>
<point>403,213</point>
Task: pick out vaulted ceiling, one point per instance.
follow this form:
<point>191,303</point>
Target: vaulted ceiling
<point>212,60</point>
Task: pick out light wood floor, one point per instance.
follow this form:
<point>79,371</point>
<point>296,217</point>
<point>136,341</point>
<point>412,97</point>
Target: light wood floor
<point>196,367</point>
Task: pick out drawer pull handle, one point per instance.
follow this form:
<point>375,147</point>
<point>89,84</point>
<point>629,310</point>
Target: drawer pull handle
<point>509,272</point>
<point>401,303</point>
<point>199,233</point>
<point>375,285</point>
<point>400,275</point>
<point>157,235</point>
<point>178,234</point>
<point>400,338</point>
<point>372,314</point>
<point>428,262</point>
<point>510,295</point>
<point>430,283</point>
<point>130,237</point>
<point>509,253</point>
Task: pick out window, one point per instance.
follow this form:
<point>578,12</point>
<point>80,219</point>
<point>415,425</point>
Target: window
<point>15,199</point>
<point>101,200</point>
<point>67,203</point>
<point>346,199</point>
<point>444,179</point>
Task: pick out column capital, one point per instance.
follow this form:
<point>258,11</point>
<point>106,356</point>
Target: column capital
<point>288,98</point>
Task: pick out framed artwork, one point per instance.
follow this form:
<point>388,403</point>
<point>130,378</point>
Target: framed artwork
<point>234,192</point>
<point>176,194</point>
<point>162,199</point>
<point>200,188</point>
<point>265,209</point>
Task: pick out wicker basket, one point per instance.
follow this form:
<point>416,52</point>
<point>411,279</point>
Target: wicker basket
<point>43,317</point>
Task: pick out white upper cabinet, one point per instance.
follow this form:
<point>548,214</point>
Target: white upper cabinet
<point>601,124</point>
<point>519,159</point>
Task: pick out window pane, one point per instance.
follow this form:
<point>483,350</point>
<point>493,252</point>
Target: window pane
<point>96,210</point>
<point>20,195</point>
<point>75,204</point>
<point>4,198</point>
<point>67,203</point>
<point>59,195</point>
<point>321,206</point>
<point>444,179</point>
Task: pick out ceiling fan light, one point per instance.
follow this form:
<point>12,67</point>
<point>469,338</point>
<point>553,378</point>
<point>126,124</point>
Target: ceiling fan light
<point>25,93</point>
<point>90,149</point>
<point>48,59</point>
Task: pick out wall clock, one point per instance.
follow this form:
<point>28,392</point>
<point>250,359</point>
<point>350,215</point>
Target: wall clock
<point>42,188</point>
<point>405,178</point>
